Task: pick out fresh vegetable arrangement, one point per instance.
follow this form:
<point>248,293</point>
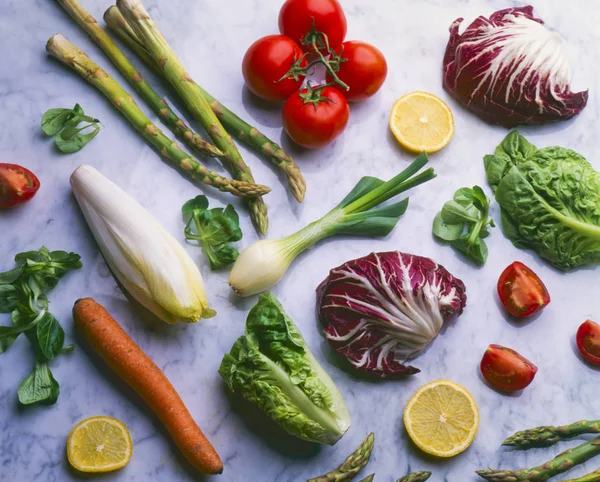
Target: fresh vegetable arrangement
<point>148,262</point>
<point>550,200</point>
<point>509,69</point>
<point>104,335</point>
<point>378,311</point>
<point>275,66</point>
<point>261,265</point>
<point>463,222</point>
<point>17,185</point>
<point>65,126</point>
<point>272,367</point>
<point>23,294</point>
<point>383,309</point>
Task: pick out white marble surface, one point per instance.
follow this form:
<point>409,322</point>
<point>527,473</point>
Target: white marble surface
<point>211,38</point>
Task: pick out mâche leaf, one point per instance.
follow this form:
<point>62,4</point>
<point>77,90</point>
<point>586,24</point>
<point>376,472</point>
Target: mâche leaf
<point>50,336</point>
<point>64,126</point>
<point>213,229</point>
<point>39,386</point>
<point>463,222</point>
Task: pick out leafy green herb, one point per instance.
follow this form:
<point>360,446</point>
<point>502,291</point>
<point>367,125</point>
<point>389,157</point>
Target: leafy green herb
<point>213,229</point>
<point>463,222</point>
<point>64,126</point>
<point>40,386</point>
<point>23,294</point>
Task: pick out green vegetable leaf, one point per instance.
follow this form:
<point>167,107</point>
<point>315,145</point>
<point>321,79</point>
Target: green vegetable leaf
<point>72,140</point>
<point>213,229</point>
<point>50,336</point>
<point>445,231</point>
<point>10,276</point>
<point>54,120</point>
<point>272,367</point>
<point>39,387</point>
<point>455,213</point>
<point>476,250</point>
<point>8,334</point>
<point>549,199</point>
<point>9,298</point>
<point>63,125</point>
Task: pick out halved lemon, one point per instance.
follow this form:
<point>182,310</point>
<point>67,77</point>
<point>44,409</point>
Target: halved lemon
<point>422,122</point>
<point>99,444</point>
<point>442,418</point>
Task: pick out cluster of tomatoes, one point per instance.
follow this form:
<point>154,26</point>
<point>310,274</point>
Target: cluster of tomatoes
<point>312,33</point>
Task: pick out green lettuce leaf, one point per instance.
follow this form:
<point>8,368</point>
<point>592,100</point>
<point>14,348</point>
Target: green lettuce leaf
<point>272,367</point>
<point>550,200</point>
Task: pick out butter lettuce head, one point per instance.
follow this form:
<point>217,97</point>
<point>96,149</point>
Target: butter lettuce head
<point>272,367</point>
<point>550,200</point>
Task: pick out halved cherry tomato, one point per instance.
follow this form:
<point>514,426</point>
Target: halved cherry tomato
<point>588,341</point>
<point>315,125</point>
<point>17,185</point>
<point>506,370</point>
<point>296,20</point>
<point>521,291</point>
<point>364,70</point>
<point>266,62</point>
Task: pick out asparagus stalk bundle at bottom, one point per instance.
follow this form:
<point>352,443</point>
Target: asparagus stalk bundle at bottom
<point>415,477</point>
<point>172,68</point>
<point>546,436</point>
<point>561,463</point>
<point>59,47</point>
<point>237,127</point>
<point>158,105</point>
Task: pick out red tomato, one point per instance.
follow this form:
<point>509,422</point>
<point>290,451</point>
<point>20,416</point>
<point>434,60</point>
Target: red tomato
<point>315,125</point>
<point>505,369</point>
<point>17,185</point>
<point>521,291</point>
<point>268,60</point>
<point>296,20</point>
<point>588,341</point>
<point>364,71</point>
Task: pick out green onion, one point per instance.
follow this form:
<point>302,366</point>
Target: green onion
<point>261,265</point>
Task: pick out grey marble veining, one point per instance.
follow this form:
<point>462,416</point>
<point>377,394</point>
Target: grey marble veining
<point>211,38</point>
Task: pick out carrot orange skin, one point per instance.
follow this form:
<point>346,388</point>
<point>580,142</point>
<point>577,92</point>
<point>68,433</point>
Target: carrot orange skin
<point>128,360</point>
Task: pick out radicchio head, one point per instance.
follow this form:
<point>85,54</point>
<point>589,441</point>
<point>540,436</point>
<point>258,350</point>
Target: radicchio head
<point>510,70</point>
<point>383,309</point>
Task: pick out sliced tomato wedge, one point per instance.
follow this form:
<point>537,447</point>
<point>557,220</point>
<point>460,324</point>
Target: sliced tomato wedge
<point>505,369</point>
<point>588,341</point>
<point>521,291</point>
<point>17,185</point>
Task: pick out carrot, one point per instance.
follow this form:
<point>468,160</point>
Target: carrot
<point>128,361</point>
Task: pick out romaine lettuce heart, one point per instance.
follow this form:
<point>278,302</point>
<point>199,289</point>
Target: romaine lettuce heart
<point>383,309</point>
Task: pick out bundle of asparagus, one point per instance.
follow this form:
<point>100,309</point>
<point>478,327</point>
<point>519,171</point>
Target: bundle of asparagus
<point>140,33</point>
<point>59,47</point>
<point>547,436</point>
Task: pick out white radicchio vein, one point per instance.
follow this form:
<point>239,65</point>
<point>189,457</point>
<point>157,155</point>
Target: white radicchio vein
<point>523,45</point>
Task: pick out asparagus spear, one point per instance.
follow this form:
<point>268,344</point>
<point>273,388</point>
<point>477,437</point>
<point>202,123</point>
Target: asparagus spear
<point>368,478</point>
<point>158,48</point>
<point>415,477</point>
<point>158,105</point>
<point>548,435</point>
<point>591,477</point>
<point>355,462</point>
<point>237,127</point>
<point>59,47</point>
<point>561,463</point>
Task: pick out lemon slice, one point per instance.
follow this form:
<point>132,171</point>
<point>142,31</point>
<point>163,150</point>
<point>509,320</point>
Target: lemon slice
<point>422,122</point>
<point>99,444</point>
<point>442,418</point>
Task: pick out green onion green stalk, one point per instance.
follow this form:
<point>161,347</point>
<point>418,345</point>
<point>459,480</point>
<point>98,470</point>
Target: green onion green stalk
<point>261,265</point>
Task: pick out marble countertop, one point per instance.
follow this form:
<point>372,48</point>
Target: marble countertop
<point>211,38</point>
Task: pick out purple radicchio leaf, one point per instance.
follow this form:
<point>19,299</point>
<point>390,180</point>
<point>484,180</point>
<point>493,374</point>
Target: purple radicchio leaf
<point>510,70</point>
<point>383,309</point>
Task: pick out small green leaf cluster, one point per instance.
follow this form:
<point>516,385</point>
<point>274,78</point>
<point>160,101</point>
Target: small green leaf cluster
<point>64,125</point>
<point>23,294</point>
<point>213,229</point>
<point>463,222</point>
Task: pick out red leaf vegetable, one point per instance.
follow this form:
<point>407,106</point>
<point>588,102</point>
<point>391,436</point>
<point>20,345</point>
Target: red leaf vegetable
<point>510,70</point>
<point>383,309</point>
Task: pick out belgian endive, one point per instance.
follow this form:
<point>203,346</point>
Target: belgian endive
<point>148,262</point>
